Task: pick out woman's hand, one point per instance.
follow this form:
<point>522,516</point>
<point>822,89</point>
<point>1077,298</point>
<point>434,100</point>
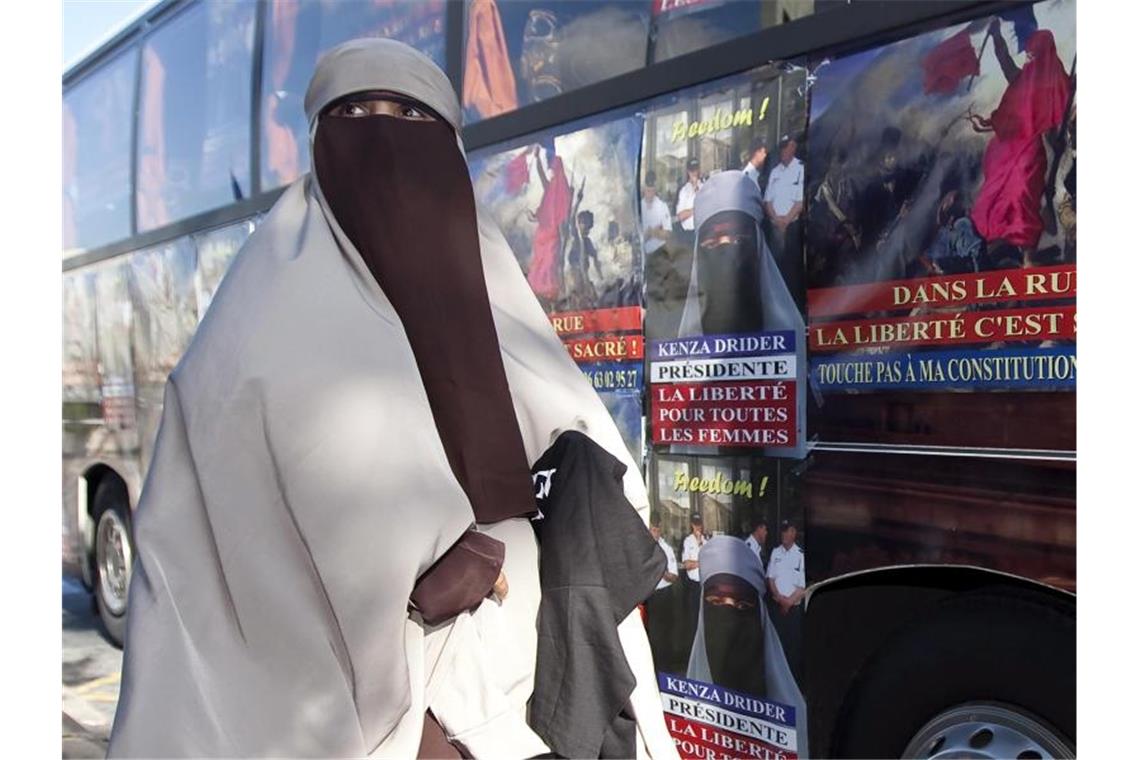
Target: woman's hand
<point>500,588</point>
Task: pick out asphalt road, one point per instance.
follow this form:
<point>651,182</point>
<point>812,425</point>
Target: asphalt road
<point>91,668</point>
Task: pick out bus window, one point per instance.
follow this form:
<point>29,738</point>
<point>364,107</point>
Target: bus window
<point>193,159</point>
<point>216,249</point>
<point>80,360</point>
<point>685,26</point>
<point>113,316</point>
<point>297,32</point>
<point>97,156</point>
<point>518,53</point>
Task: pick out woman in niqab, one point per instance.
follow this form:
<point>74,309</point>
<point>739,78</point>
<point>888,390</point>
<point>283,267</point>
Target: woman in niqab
<point>340,484</point>
<point>736,645</point>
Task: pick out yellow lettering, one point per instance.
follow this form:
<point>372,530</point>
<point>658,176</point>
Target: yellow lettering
<point>679,481</point>
<point>678,130</point>
<point>763,110</point>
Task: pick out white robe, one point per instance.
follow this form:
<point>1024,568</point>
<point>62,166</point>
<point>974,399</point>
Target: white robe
<point>299,487</point>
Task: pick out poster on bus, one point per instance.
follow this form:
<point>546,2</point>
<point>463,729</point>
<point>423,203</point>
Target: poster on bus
<point>942,237</point>
<point>721,221</point>
<point>725,622</point>
<point>566,204</point>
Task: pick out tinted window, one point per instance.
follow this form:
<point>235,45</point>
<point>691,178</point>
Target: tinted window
<point>194,113</point>
<point>164,316</point>
<point>161,284</point>
<point>97,156</point>
<point>684,26</point>
<point>113,315</point>
<point>518,53</point>
<point>216,249</point>
<point>296,34</point>
<point>80,360</point>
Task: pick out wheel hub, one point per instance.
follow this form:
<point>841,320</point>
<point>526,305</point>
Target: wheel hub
<point>113,556</point>
<point>986,730</point>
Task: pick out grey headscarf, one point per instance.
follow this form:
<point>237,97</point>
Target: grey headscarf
<point>299,487</point>
<point>725,554</point>
<point>734,191</point>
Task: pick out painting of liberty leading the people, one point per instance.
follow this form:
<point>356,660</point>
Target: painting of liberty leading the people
<point>948,153</point>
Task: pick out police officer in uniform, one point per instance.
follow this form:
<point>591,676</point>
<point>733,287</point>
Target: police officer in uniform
<point>662,605</point>
<point>786,588</point>
<point>691,582</point>
<point>756,541</point>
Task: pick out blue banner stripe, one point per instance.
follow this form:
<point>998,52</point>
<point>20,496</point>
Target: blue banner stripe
<point>1017,368</point>
<point>728,699</point>
<point>710,346</point>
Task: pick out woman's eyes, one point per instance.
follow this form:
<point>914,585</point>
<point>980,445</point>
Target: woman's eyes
<point>727,601</point>
<point>411,112</point>
<point>402,111</point>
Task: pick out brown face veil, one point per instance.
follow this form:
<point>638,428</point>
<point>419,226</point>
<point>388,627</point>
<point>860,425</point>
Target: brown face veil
<point>400,191</point>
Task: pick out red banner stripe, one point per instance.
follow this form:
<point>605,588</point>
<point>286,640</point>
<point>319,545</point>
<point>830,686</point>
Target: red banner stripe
<point>692,736</point>
<point>1038,283</point>
<point>781,435</point>
<point>610,348</point>
<point>597,320</point>
<point>942,329</point>
<point>725,395</point>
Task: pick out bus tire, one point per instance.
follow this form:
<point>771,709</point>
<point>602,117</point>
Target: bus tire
<point>113,553</point>
<point>1012,652</point>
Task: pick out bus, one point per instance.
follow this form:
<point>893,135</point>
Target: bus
<point>818,258</point>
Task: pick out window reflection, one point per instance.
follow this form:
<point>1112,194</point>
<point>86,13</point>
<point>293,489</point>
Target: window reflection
<point>685,26</point>
<point>297,32</point>
<point>216,250</point>
<point>194,113</point>
<point>673,504</point>
<point>97,156</point>
<point>525,52</point>
<point>161,285</point>
<point>80,360</point>
<point>113,316</point>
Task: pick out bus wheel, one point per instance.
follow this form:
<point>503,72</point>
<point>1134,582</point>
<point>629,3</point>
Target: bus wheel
<point>983,676</point>
<point>114,551</point>
<point>985,729</point>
